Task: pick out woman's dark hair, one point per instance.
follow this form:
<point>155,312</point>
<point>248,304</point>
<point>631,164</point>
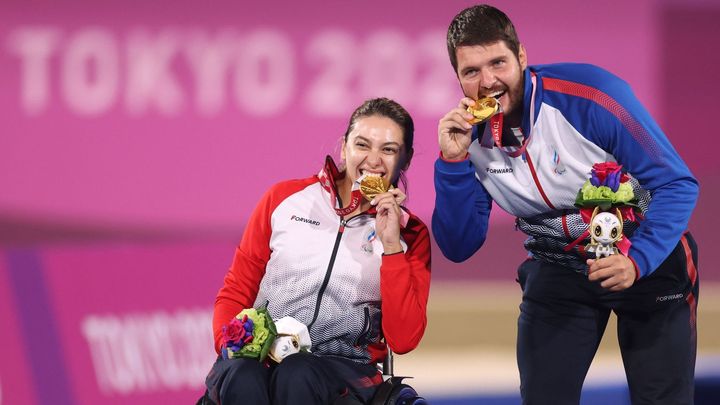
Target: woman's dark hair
<point>384,107</point>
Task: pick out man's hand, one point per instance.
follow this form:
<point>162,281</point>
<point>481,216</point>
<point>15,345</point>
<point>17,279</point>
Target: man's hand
<point>454,131</point>
<point>615,272</point>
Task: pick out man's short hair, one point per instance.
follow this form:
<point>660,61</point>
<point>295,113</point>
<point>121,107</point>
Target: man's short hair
<point>480,25</point>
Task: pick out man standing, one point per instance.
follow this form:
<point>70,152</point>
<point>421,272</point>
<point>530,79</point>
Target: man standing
<point>554,123</point>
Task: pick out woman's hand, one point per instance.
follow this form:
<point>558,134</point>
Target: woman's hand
<point>454,131</point>
<point>387,219</point>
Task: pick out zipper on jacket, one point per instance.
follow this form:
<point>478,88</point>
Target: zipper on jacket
<point>328,272</point>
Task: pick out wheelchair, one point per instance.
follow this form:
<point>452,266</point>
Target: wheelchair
<point>392,391</point>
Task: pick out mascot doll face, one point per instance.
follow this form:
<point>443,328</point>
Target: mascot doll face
<point>605,228</point>
<point>293,336</point>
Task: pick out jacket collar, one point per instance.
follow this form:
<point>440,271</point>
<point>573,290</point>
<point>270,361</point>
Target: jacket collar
<point>328,177</point>
<point>527,98</point>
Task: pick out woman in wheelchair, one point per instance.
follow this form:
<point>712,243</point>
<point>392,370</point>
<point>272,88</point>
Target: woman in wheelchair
<point>350,263</point>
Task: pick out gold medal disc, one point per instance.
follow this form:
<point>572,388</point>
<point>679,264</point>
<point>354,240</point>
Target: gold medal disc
<point>483,109</point>
<point>370,186</point>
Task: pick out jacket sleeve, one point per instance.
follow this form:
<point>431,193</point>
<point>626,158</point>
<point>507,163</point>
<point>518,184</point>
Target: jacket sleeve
<point>462,210</point>
<point>643,149</point>
<point>404,288</point>
<point>242,281</point>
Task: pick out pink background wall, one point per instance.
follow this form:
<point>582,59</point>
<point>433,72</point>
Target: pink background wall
<point>165,115</point>
<point>135,138</point>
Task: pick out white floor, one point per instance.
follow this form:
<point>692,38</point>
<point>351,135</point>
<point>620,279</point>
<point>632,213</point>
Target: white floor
<point>492,373</point>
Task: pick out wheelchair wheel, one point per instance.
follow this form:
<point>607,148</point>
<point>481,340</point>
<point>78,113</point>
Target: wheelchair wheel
<point>404,394</point>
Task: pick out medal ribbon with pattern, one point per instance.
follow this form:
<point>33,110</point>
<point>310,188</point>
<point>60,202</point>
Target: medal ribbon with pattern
<point>493,129</point>
<point>327,178</point>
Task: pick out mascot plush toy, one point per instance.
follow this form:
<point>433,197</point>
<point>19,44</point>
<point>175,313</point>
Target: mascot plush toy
<point>292,337</point>
<point>605,230</point>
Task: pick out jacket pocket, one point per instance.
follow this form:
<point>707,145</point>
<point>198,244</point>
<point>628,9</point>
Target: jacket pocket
<point>372,325</point>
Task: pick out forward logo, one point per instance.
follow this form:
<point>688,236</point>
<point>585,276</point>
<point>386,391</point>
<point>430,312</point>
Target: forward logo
<point>307,221</point>
<point>499,171</point>
<point>671,297</point>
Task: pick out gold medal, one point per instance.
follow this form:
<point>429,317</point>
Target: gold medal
<point>483,109</point>
<point>371,186</point>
